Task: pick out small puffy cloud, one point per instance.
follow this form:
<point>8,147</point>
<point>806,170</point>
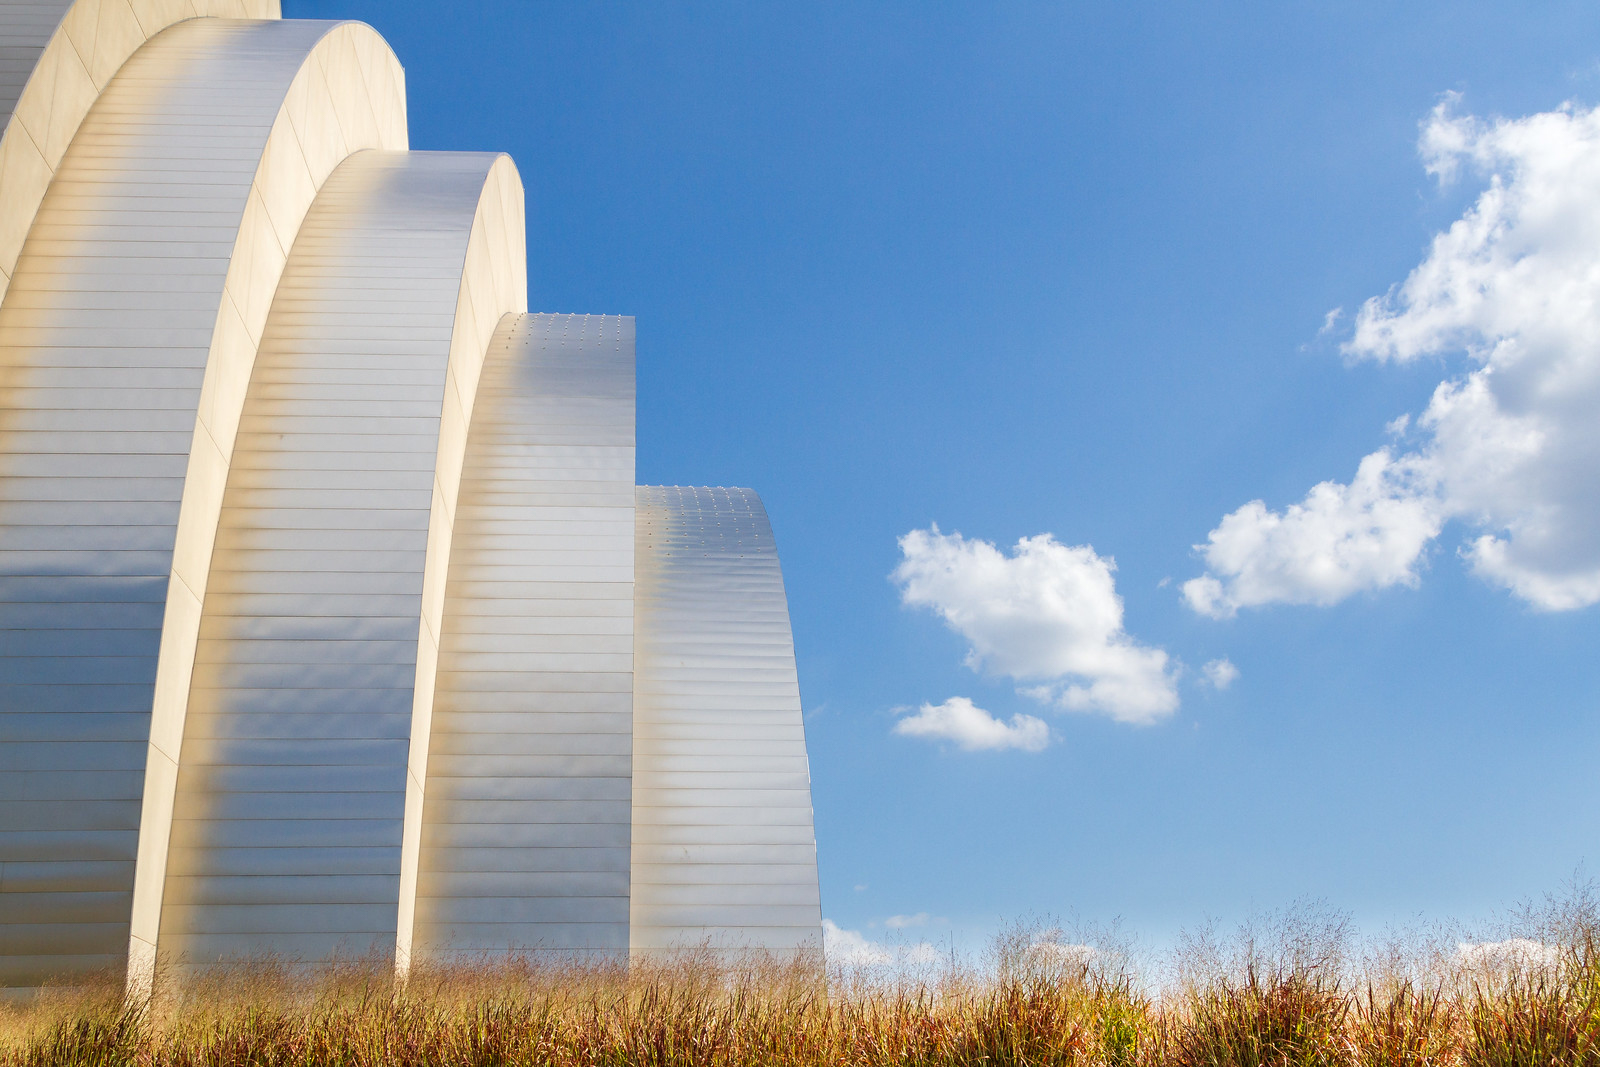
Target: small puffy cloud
<point>1220,673</point>
<point>901,922</point>
<point>969,726</point>
<point>1046,613</point>
<point>1516,955</point>
<point>1341,539</point>
<point>1046,952</point>
<point>849,948</point>
<point>1509,446</point>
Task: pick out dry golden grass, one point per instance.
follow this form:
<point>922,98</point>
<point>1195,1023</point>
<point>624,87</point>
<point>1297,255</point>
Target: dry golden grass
<point>1293,990</point>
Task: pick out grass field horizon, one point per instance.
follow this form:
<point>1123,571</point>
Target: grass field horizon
<point>1299,986</point>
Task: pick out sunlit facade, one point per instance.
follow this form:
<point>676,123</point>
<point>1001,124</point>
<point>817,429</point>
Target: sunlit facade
<point>331,618</point>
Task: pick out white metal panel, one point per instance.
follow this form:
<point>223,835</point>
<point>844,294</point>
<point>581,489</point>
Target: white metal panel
<point>525,825</point>
<point>723,846</point>
<point>106,343</point>
<point>56,57</point>
<point>569,805</point>
<point>291,789</point>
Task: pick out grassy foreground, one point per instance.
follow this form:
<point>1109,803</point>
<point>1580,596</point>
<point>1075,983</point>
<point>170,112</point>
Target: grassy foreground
<point>1292,989</point>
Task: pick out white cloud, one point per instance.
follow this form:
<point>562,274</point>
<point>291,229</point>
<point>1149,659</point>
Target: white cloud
<point>1047,613</point>
<point>1050,954</point>
<point>1049,951</point>
<point>1509,446</point>
<point>1514,955</point>
<point>1220,673</point>
<point>974,729</point>
<point>901,922</point>
<point>848,948</point>
<point>1341,539</point>
<point>851,950</point>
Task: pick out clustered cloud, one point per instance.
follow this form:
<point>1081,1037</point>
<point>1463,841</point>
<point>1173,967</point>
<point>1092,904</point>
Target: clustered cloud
<point>1509,447</point>
<point>1046,615</point>
<point>973,729</point>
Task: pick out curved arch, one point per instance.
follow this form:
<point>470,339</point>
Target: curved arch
<point>316,640</point>
<point>61,56</point>
<point>493,286</point>
<point>723,846</point>
<point>126,341</point>
<point>527,811</point>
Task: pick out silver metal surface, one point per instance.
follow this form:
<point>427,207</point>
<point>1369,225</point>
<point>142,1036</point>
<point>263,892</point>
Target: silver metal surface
<point>100,36</point>
<point>104,338</point>
<point>526,822</point>
<point>291,790</point>
<point>723,850</point>
<point>429,707</point>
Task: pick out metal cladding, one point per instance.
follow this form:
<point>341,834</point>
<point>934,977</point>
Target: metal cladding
<point>56,58</point>
<point>318,611</point>
<point>723,849</point>
<point>124,336</point>
<point>291,791</point>
<point>526,822</point>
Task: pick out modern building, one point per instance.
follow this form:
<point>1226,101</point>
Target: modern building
<point>331,618</point>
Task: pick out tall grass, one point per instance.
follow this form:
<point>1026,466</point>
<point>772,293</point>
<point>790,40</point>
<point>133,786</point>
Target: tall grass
<point>1296,989</point>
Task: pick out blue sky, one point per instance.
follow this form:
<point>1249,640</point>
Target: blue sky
<point>1065,269</point>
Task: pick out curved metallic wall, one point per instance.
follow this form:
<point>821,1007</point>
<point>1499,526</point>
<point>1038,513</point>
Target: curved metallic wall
<point>493,286</point>
<point>291,791</point>
<point>347,95</point>
<point>56,57</point>
<point>317,631</point>
<point>525,830</point>
<point>723,847</point>
<point>123,340</point>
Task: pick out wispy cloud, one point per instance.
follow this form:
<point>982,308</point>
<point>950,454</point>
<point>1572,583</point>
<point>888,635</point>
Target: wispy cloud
<point>1220,673</point>
<point>973,729</point>
<point>1510,445</point>
<point>1045,613</point>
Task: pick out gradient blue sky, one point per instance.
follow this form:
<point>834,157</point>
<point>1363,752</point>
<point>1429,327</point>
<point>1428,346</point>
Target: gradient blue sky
<point>1044,267</point>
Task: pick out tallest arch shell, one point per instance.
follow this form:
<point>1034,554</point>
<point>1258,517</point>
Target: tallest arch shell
<point>56,57</point>
<point>127,336</point>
